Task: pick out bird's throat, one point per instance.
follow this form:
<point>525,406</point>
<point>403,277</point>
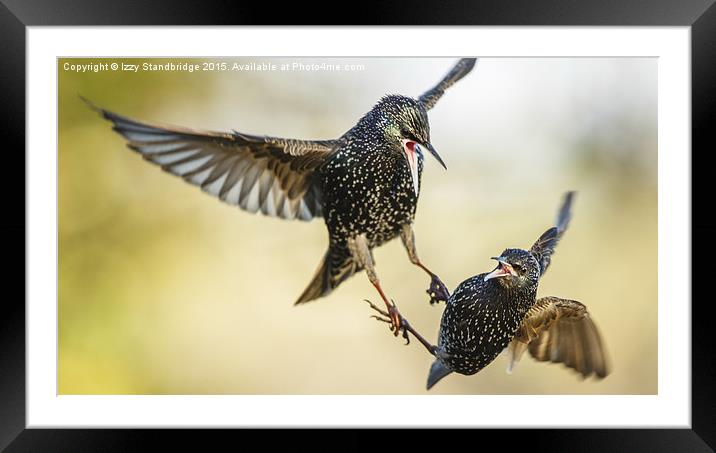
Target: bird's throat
<point>411,156</point>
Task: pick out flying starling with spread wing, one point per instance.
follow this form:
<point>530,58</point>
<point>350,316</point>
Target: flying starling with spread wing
<point>493,311</point>
<point>365,184</point>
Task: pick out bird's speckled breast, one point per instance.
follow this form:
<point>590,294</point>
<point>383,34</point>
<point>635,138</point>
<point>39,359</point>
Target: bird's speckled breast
<point>478,323</point>
<point>368,193</point>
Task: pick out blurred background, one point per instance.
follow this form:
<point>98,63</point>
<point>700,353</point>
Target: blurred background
<point>163,289</point>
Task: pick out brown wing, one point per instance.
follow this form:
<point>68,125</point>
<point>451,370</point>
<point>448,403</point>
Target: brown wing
<point>266,174</point>
<point>460,70</point>
<point>561,331</point>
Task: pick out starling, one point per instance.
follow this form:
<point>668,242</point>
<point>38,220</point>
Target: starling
<point>365,184</point>
<point>494,311</point>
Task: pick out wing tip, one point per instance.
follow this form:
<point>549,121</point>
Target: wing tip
<point>565,212</point>
<point>106,114</point>
<point>92,106</point>
<point>469,63</point>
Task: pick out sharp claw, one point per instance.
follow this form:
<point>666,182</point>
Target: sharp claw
<point>406,336</point>
<point>380,318</point>
<point>437,291</point>
<point>384,313</point>
<point>393,317</point>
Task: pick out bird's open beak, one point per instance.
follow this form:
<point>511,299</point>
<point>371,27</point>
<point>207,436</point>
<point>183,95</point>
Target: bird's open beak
<point>412,150</point>
<point>503,270</point>
<point>435,154</point>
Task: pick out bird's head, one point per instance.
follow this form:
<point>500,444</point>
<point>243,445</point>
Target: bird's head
<point>516,268</point>
<point>403,123</point>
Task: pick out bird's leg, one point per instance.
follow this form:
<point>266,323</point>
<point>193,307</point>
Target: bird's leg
<point>437,291</point>
<point>405,327</point>
<point>361,252</point>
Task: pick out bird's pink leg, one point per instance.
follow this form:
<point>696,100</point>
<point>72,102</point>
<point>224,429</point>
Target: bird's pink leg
<point>393,314</point>
<point>361,252</point>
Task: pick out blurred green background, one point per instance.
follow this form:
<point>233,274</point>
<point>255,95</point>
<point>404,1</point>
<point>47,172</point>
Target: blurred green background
<point>166,290</point>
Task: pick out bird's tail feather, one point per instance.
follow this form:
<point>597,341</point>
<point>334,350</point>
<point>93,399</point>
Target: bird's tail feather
<point>438,370</point>
<point>337,265</point>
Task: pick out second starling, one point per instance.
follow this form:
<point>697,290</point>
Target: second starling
<point>497,311</point>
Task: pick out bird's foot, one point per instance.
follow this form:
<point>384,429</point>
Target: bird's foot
<point>437,291</point>
<point>393,317</point>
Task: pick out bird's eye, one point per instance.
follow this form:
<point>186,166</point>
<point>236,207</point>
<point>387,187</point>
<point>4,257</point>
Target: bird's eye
<point>407,134</point>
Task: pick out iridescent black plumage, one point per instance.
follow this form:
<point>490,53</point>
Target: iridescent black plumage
<point>365,184</point>
<point>484,312</point>
<point>491,312</point>
<point>479,321</point>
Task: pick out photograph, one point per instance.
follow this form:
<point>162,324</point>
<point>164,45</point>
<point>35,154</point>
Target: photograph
<point>463,225</point>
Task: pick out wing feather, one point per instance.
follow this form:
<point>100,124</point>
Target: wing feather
<point>460,70</point>
<point>560,331</point>
<point>274,176</point>
<point>544,247</point>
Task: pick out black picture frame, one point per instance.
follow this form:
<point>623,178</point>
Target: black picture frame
<point>16,15</point>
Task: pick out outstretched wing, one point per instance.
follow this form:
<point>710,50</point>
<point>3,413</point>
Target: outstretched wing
<point>460,70</point>
<point>560,331</point>
<point>270,175</point>
<point>543,249</point>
